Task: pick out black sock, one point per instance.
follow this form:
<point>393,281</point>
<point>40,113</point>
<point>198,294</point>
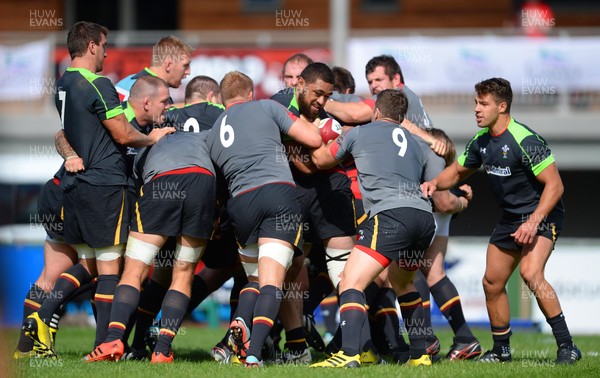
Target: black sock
<point>173,309</point>
<point>267,308</point>
<point>234,297</point>
<point>151,298</point>
<point>199,293</point>
<point>560,330</point>
<point>353,318</point>
<point>86,291</point>
<point>412,313</point>
<point>124,304</point>
<point>105,291</point>
<point>33,301</point>
<point>446,296</point>
<point>66,284</point>
<point>386,316</point>
<point>422,287</point>
<point>501,336</point>
<point>92,301</point>
<point>366,341</point>
<point>371,294</point>
<point>295,340</point>
<point>247,302</point>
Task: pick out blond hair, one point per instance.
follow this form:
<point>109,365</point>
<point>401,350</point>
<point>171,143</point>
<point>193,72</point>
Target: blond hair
<point>169,47</point>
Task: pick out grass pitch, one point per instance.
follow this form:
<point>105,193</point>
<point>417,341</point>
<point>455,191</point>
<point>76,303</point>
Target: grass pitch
<point>533,356</point>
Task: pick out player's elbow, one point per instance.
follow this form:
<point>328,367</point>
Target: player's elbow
<point>123,138</point>
<point>314,141</point>
<point>560,189</point>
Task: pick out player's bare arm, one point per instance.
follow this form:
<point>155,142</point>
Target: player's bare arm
<point>73,163</point>
<point>448,203</point>
<point>553,191</point>
<point>125,134</point>
<point>349,112</point>
<point>305,133</point>
<point>322,157</point>
<point>299,157</point>
<point>437,145</point>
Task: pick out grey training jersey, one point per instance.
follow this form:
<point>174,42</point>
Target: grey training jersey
<point>174,151</point>
<point>415,113</point>
<point>434,164</point>
<point>245,144</point>
<point>390,165</point>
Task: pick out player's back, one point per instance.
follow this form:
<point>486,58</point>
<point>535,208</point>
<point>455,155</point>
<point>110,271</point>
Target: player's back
<point>196,117</point>
<point>83,101</point>
<point>176,151</point>
<point>245,144</point>
<point>390,166</point>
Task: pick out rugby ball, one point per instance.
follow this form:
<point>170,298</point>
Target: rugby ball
<point>330,129</point>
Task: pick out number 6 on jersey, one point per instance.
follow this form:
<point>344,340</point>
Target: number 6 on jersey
<point>226,133</point>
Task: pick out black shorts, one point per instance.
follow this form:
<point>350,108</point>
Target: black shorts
<point>49,207</point>
<point>359,208</point>
<point>175,203</point>
<point>402,234</point>
<point>327,205</point>
<point>96,215</point>
<point>549,228</point>
<point>269,211</point>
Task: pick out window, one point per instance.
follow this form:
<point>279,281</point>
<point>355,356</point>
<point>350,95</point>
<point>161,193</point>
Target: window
<point>261,6</point>
<point>380,5</point>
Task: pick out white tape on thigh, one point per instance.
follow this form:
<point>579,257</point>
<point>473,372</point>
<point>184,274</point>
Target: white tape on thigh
<point>251,269</point>
<point>278,252</point>
<point>84,251</point>
<point>336,261</point>
<point>442,224</point>
<point>249,251</point>
<point>141,250</point>
<point>188,254</point>
<point>110,253</point>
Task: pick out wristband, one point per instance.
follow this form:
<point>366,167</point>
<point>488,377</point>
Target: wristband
<point>71,157</point>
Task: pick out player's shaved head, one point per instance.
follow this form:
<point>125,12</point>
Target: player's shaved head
<point>235,85</point>
<point>80,36</point>
<point>316,71</point>
<point>199,87</point>
<point>392,104</point>
<point>146,86</point>
<point>498,87</point>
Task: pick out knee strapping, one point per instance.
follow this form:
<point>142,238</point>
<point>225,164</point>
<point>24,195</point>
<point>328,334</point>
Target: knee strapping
<point>141,250</point>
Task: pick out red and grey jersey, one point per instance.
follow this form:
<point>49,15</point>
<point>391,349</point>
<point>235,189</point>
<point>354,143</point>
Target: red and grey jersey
<point>173,152</point>
<point>83,101</point>
<point>195,118</point>
<point>245,144</point>
<point>390,165</point>
<point>512,160</point>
